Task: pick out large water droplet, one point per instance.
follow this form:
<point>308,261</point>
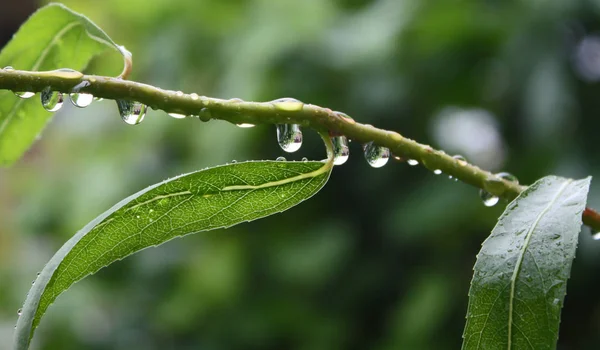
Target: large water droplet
<point>81,100</point>
<point>131,112</point>
<point>177,115</point>
<point>412,162</point>
<point>288,104</point>
<point>51,100</point>
<point>246,125</point>
<point>289,137</point>
<point>280,159</point>
<point>376,156</point>
<point>341,151</point>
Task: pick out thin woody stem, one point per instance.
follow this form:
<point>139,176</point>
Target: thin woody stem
<point>241,112</point>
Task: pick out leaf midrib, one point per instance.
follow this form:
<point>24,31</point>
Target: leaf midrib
<point>517,268</point>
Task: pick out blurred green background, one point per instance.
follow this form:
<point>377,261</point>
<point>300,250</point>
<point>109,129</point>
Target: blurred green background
<point>380,258</point>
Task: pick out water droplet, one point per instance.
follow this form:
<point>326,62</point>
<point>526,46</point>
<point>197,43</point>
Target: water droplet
<point>246,125</point>
<point>194,96</point>
<point>345,116</point>
<point>131,112</point>
<point>205,115</point>
<point>460,159</point>
<point>556,301</point>
<point>81,100</point>
<point>508,177</point>
<point>596,236</point>
<point>8,68</point>
<point>289,137</point>
<point>376,156</point>
<point>341,151</point>
<point>288,104</point>
<point>233,161</point>
<point>177,115</point>
<point>24,94</point>
<point>304,159</point>
<point>51,100</point>
<point>437,171</point>
<point>412,162</point>
<point>19,312</point>
<point>179,93</point>
<point>280,159</point>
<point>489,200</point>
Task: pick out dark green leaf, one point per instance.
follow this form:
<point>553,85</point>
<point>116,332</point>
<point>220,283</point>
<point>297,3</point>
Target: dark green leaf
<point>53,37</point>
<point>521,272</point>
<point>205,200</point>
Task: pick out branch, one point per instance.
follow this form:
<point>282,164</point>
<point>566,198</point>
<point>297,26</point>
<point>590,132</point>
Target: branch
<point>239,112</point>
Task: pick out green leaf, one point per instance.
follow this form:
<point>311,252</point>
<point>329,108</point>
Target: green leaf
<point>53,37</point>
<point>521,272</point>
<point>214,198</point>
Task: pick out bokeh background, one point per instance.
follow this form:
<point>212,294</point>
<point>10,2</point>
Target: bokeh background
<point>380,258</point>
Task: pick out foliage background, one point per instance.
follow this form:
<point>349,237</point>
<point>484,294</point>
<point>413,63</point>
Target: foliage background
<point>381,258</point>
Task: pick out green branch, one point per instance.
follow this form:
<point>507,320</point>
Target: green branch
<point>237,111</point>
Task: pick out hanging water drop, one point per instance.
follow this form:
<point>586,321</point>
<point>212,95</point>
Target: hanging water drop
<point>412,162</point>
<point>81,100</point>
<point>376,156</point>
<point>177,115</point>
<point>489,200</point>
<point>205,115</point>
<point>289,137</point>
<point>52,101</point>
<point>131,112</point>
<point>341,151</point>
<point>24,94</point>
<point>288,104</point>
<point>245,125</point>
<point>280,159</point>
<point>437,171</point>
<point>460,159</point>
<point>596,236</point>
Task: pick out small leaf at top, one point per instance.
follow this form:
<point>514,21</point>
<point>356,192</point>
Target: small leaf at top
<point>53,37</point>
<point>521,272</point>
<point>205,200</point>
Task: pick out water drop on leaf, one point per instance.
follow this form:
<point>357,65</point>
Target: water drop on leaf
<point>289,137</point>
<point>280,159</point>
<point>304,159</point>
<point>460,159</point>
<point>341,151</point>
<point>131,112</point>
<point>412,162</point>
<point>52,101</point>
<point>437,171</point>
<point>376,156</point>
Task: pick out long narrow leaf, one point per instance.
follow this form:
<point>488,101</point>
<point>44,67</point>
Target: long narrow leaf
<point>521,272</point>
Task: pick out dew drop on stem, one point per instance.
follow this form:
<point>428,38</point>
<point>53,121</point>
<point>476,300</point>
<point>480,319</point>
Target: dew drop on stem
<point>437,171</point>
<point>489,200</point>
<point>177,115</point>
<point>376,156</point>
<point>19,312</point>
<point>341,151</point>
<point>131,112</point>
<point>81,100</point>
<point>245,125</point>
<point>52,101</point>
<point>596,236</point>
<point>205,115</point>
<point>460,159</point>
<point>412,162</point>
<point>280,159</point>
<point>289,137</point>
<point>288,104</point>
